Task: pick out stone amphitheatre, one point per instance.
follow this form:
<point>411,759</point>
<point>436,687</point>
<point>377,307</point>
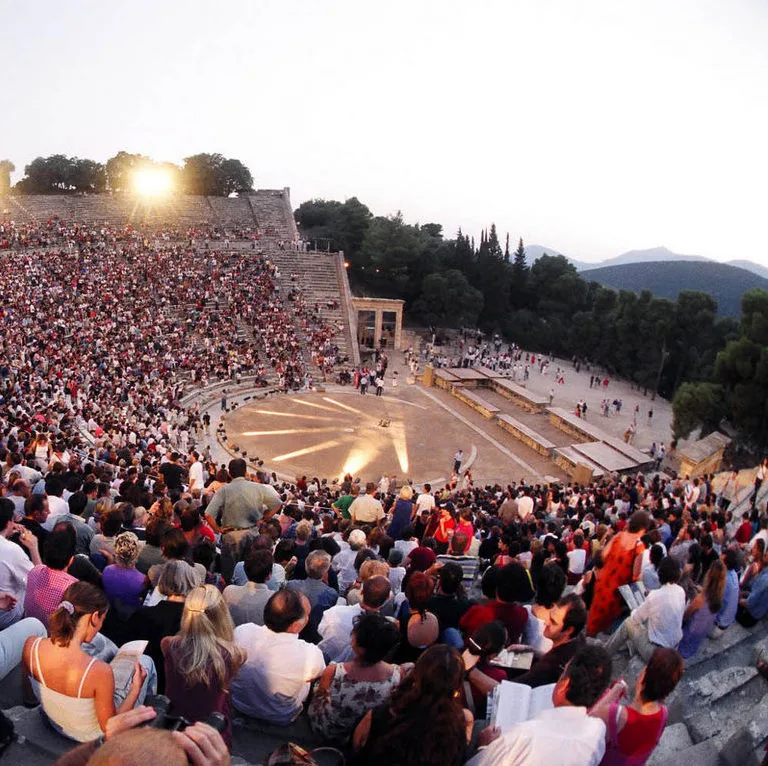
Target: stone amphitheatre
<point>509,429</point>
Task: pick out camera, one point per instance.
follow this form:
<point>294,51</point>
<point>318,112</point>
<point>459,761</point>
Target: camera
<point>165,720</point>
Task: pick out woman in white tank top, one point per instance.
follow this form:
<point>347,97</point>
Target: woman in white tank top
<point>77,691</point>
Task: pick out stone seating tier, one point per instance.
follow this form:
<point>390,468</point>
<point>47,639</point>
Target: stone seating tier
<point>519,395</point>
<point>475,401</point>
<point>526,435</point>
<point>269,210</point>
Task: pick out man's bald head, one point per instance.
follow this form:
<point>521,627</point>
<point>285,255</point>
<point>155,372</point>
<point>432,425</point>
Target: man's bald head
<point>375,592</point>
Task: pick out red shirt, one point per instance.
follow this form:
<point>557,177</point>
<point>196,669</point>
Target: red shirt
<point>744,532</point>
<point>511,615</point>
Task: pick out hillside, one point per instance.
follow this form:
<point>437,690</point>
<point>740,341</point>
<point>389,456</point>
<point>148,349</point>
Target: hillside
<point>726,284</point>
<point>534,252</point>
<point>643,256</point>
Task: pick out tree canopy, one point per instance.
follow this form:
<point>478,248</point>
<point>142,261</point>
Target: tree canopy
<point>206,174</point>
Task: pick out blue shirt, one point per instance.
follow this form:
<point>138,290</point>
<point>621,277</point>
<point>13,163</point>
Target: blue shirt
<point>757,603</point>
<point>727,614</point>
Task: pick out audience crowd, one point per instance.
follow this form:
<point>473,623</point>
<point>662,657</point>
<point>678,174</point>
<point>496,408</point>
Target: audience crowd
<point>385,614</point>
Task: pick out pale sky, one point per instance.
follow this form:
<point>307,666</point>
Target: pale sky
<point>589,126</point>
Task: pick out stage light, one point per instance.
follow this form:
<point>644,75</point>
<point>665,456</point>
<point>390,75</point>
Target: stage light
<point>152,182</point>
<point>357,459</point>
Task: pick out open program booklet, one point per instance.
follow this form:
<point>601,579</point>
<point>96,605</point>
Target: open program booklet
<point>633,594</point>
<point>515,660</point>
<point>124,662</point>
<point>510,703</point>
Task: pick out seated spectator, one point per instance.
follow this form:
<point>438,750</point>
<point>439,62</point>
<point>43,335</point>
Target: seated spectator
<point>202,659</point>
<point>175,548</point>
<point>407,542</point>
<point>419,628</point>
<point>577,559</point>
<point>549,590</point>
<point>77,504</point>
<point>481,675</point>
<point>12,641</point>
<point>34,516</point>
<point>753,608</point>
<point>81,566</point>
<point>633,730</point>
<point>423,723</point>
<point>663,610</point>
<point>457,554</point>
<point>153,623</point>
<point>564,628</point>
<point>513,585</point>
<point>194,528</point>
<point>449,603</point>
<point>336,624</point>
<point>15,565</point>
<point>283,550</point>
<point>755,566</point>
<point>103,543</point>
<point>565,734</point>
<point>396,570</point>
<point>370,566</point>
<point>77,692</point>
<point>346,691</point>
<point>47,582</point>
<point>651,569</point>
<point>344,561</point>
<point>727,614</point>
<point>320,595</point>
<point>129,743</point>
<point>246,602</point>
<point>151,553</point>
<point>701,612</point>
<point>275,680</point>
<point>124,585</point>
<point>204,553</point>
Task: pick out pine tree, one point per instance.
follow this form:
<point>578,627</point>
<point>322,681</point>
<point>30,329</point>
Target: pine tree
<point>506,249</point>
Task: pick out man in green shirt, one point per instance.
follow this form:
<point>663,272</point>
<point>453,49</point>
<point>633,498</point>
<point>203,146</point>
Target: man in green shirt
<point>341,505</point>
<point>239,507</point>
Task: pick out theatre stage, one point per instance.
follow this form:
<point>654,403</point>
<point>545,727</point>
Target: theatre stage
<point>339,431</point>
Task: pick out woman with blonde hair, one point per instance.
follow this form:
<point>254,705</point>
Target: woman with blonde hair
<point>202,659</point>
<point>401,512</point>
<point>700,614</point>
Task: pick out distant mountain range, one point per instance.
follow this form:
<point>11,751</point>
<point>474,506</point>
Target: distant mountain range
<point>671,273</point>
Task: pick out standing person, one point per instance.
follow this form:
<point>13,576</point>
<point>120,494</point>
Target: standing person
<point>633,731</point>
<point>622,564</point>
<point>243,505</point>
<point>366,509</point>
<point>458,459</point>
<point>401,513</point>
<point>195,472</point>
<point>760,474</point>
<point>379,385</point>
<point>202,660</point>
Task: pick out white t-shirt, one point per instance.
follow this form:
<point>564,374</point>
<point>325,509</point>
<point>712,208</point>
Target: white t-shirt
<point>14,568</point>
<point>576,560</point>
<point>196,475</point>
<point>425,502</point>
<point>524,507</point>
